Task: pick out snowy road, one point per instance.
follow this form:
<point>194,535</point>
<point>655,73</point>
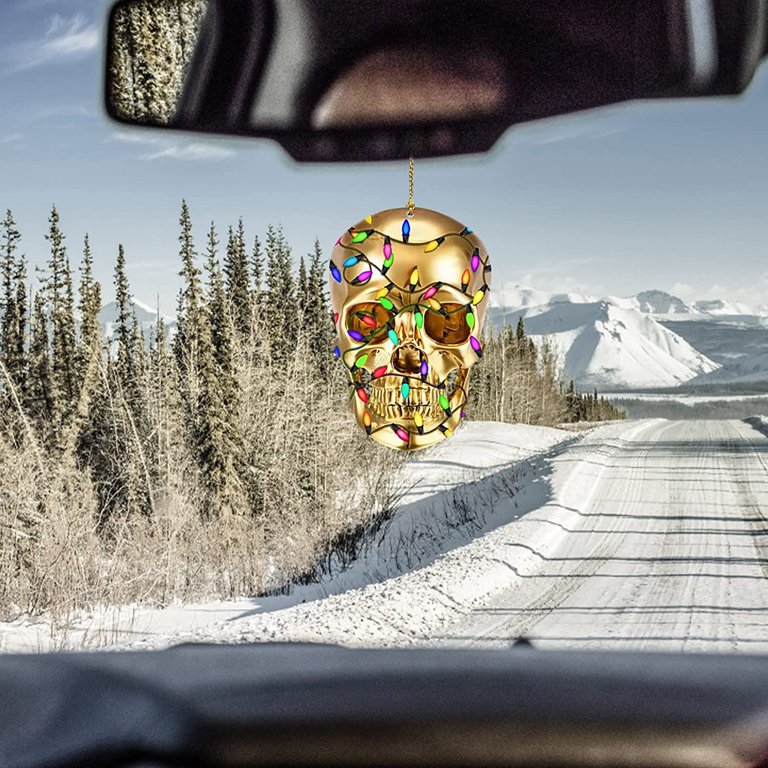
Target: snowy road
<point>647,534</point>
<point>667,549</point>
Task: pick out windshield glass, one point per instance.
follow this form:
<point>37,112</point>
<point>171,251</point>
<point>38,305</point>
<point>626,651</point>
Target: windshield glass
<point>245,400</point>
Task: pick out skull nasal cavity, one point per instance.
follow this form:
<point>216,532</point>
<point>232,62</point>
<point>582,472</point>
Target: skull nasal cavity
<point>407,359</point>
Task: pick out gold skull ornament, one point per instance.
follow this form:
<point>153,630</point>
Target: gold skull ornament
<point>409,294</point>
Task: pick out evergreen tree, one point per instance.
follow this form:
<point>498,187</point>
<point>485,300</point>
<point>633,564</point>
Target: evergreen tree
<point>571,403</point>
<point>192,347</point>
<point>87,356</point>
<point>18,362</point>
<point>115,440</point>
<point>164,408</point>
<point>302,297</point>
<point>204,383</point>
<point>238,284</point>
<point>90,301</point>
<point>257,273</point>
<point>321,328</point>
<point>39,396</point>
<point>520,331</point>
<point>187,341</point>
<point>219,319</point>
<point>10,239</point>
<point>12,306</point>
<point>59,296</point>
<point>281,298</point>
<point>124,329</point>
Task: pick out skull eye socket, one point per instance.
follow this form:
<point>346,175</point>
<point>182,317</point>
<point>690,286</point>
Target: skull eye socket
<point>359,319</point>
<point>450,328</point>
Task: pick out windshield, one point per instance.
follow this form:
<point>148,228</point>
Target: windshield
<point>241,401</point>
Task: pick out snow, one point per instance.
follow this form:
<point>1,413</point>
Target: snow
<point>514,296</point>
<point>482,458</point>
<point>635,535</point>
<point>723,340</point>
<point>729,308</point>
<point>661,303</point>
<point>683,398</point>
<point>610,343</point>
<point>145,315</point>
<point>666,551</point>
<point>745,368</point>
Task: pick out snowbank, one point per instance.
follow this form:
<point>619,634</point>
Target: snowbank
<point>451,493</point>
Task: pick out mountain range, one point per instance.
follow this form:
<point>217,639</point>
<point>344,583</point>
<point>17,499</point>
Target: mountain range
<point>145,316</point>
<point>652,339</point>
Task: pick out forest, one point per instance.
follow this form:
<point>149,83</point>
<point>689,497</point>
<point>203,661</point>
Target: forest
<point>217,460</point>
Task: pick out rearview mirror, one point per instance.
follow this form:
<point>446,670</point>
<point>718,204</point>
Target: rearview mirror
<point>350,80</point>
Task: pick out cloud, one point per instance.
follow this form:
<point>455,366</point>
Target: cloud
<point>161,149</point>
<point>127,137</point>
<point>64,110</point>
<point>557,267</point>
<point>194,151</point>
<point>752,295</point>
<point>561,283</point>
<point>586,126</point>
<point>67,38</point>
<point>549,285</point>
<point>12,138</point>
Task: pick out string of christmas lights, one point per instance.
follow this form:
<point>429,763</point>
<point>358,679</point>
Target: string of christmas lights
<point>426,302</point>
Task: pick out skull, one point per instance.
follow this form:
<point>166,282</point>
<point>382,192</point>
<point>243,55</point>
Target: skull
<point>409,294</point>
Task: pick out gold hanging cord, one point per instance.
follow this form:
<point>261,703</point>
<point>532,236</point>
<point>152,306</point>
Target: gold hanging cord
<point>411,205</point>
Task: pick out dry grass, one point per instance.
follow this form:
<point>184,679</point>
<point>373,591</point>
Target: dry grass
<point>55,561</point>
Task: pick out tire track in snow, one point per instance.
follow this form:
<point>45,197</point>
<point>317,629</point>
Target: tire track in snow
<point>683,560</point>
<point>649,534</point>
<point>500,623</point>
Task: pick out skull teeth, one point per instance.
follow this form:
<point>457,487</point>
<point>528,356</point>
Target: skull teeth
<point>386,398</point>
<point>399,411</point>
<point>388,402</point>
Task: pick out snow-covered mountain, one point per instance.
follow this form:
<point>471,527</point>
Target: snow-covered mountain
<point>518,296</point>
<point>719,307</point>
<point>146,316</point>
<point>664,305</point>
<point>731,333</point>
<point>750,367</point>
<point>606,342</point>
<point>661,303</point>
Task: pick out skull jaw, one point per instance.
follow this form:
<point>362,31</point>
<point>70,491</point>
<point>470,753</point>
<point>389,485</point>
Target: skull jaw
<point>384,422</point>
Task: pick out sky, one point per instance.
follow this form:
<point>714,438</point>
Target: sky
<point>649,195</point>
